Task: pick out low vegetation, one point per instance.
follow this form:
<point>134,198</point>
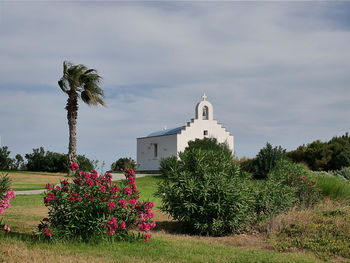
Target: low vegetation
<point>289,215</point>
<point>324,230</point>
<point>206,191</point>
<point>166,246</point>
<point>124,163</point>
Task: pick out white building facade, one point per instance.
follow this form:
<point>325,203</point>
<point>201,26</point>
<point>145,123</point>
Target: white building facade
<point>166,143</point>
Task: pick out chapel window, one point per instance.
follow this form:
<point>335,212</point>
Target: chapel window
<point>205,133</point>
<point>155,148</point>
<point>205,113</point>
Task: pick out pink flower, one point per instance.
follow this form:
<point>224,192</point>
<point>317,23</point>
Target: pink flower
<point>5,204</point>
<point>310,184</point>
<point>86,175</point>
<point>122,203</point>
<point>57,188</point>
<point>102,189</point>
<point>147,237</point>
<point>79,199</point>
<point>122,225</point>
<point>127,191</point>
<point>10,194</point>
<point>64,182</point>
<point>303,177</point>
<point>111,205</point>
<point>48,186</point>
<point>74,166</point>
<point>7,228</point>
<point>103,198</point>
<point>47,232</point>
<point>91,199</point>
<point>89,182</point>
<point>115,188</point>
<point>132,202</point>
<point>86,194</point>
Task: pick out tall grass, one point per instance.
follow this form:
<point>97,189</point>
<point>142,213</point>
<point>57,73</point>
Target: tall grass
<point>331,186</point>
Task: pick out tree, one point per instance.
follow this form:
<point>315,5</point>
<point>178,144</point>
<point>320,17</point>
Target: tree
<point>124,163</point>
<point>5,160</point>
<point>79,82</point>
<point>19,164</point>
<point>266,159</point>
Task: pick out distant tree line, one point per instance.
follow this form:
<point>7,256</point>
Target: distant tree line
<point>41,161</point>
<point>324,156</point>
<point>317,156</point>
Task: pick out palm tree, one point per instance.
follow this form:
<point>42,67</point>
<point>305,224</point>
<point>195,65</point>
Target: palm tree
<point>79,82</point>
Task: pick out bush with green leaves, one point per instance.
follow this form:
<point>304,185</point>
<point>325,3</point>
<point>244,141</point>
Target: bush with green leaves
<point>124,163</point>
<point>5,160</point>
<point>288,185</point>
<point>5,195</point>
<point>92,207</point>
<point>272,198</point>
<point>47,161</point>
<point>210,144</point>
<point>204,191</point>
<point>298,178</point>
<point>266,160</point>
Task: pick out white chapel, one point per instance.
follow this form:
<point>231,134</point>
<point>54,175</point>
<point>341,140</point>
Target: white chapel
<point>169,142</point>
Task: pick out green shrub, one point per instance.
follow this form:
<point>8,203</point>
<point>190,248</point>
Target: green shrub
<point>298,178</point>
<point>205,192</point>
<point>169,165</point>
<point>41,161</point>
<point>272,198</point>
<point>123,163</point>
<point>210,144</point>
<point>84,163</point>
<point>5,195</point>
<point>344,173</point>
<point>266,159</point>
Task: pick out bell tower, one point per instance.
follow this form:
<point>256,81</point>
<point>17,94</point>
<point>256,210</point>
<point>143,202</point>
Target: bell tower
<point>204,110</point>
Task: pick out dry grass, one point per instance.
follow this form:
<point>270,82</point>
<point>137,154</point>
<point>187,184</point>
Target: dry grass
<point>24,218</point>
<point>24,181</point>
<point>168,228</point>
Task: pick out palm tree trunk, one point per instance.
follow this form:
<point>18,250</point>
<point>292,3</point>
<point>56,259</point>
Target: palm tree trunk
<point>72,115</point>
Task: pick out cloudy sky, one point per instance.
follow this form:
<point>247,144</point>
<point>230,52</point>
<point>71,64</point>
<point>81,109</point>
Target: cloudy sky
<point>274,71</point>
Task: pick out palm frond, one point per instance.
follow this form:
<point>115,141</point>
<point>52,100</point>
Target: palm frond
<point>85,82</point>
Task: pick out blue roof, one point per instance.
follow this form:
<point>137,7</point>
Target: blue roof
<point>167,132</point>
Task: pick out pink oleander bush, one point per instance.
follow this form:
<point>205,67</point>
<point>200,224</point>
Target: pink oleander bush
<point>5,195</point>
<point>92,207</point>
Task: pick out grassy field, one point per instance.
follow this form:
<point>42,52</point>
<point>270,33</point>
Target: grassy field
<point>331,186</point>
<point>166,244</point>
<point>33,181</point>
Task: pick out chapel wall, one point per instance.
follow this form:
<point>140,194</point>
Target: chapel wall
<point>196,131</point>
<point>166,147</point>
